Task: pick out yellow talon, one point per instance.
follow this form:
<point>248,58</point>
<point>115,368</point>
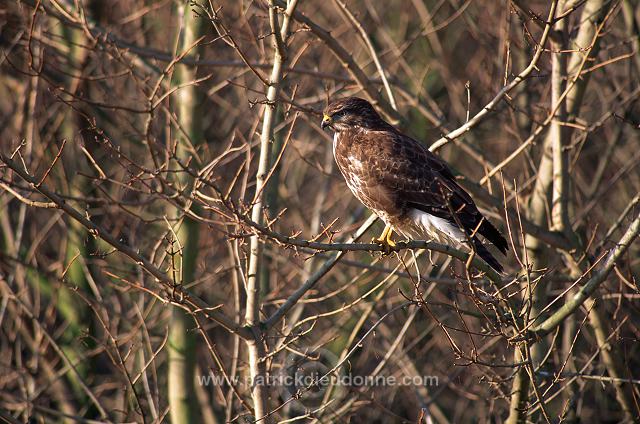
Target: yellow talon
<point>390,242</point>
<point>385,239</point>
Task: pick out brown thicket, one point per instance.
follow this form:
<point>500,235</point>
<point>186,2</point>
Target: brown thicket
<point>176,240</point>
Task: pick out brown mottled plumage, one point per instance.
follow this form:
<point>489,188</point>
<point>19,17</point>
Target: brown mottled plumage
<point>408,187</point>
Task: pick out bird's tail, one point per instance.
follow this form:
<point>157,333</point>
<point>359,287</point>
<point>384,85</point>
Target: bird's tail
<point>492,234</point>
<point>486,255</point>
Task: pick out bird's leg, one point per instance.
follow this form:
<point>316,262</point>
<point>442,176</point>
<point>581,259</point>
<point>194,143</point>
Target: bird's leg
<point>385,239</point>
<point>388,240</point>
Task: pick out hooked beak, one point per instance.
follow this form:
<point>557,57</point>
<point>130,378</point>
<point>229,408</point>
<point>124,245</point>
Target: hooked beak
<point>326,121</point>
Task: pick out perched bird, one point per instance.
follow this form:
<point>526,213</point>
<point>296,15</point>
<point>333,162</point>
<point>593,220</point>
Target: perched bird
<point>411,189</point>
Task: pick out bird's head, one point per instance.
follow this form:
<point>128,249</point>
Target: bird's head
<point>350,112</point>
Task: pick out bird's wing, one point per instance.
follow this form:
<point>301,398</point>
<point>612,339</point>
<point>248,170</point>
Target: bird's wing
<point>422,180</point>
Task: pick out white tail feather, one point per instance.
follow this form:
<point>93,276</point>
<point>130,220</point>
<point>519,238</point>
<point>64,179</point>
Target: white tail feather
<point>437,228</point>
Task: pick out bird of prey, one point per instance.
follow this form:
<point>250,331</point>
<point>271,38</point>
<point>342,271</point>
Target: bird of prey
<point>411,189</point>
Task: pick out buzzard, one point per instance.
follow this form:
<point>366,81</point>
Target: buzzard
<point>411,189</point>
